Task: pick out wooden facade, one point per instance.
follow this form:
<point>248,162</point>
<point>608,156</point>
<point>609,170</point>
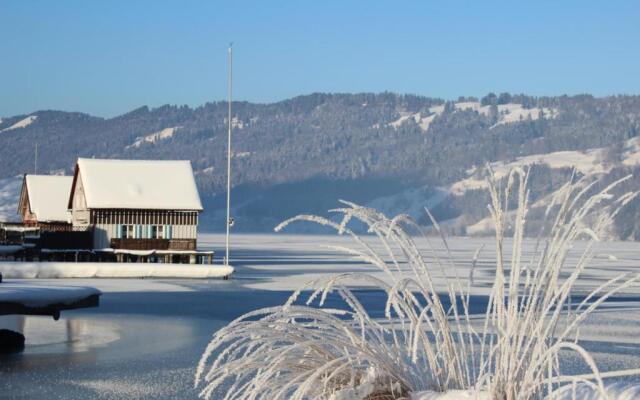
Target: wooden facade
<point>143,217</point>
<point>140,229</point>
<point>154,244</point>
<point>28,218</point>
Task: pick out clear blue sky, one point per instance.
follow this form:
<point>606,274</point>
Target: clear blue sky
<point>108,57</point>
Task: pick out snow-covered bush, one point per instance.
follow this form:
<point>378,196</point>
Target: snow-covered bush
<point>428,345</point>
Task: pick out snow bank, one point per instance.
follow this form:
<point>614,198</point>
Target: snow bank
<point>35,295</point>
<point>29,270</point>
<point>23,123</point>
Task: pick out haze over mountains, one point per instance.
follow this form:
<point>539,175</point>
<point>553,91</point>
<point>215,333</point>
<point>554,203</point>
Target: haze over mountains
<point>398,153</point>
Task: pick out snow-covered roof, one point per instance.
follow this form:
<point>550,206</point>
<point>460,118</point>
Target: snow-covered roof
<point>43,295</point>
<point>48,195</point>
<point>138,184</point>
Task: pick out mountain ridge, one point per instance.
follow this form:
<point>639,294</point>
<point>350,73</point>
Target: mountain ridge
<point>362,147</point>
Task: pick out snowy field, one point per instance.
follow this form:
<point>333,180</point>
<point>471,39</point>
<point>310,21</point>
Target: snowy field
<point>148,334</point>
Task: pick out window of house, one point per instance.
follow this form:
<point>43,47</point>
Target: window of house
<point>127,232</point>
<point>157,231</point>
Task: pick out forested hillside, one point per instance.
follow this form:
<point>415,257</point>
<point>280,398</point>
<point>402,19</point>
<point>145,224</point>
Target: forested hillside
<point>397,152</point>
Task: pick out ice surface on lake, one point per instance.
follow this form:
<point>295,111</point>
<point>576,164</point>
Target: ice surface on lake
<point>147,335</point>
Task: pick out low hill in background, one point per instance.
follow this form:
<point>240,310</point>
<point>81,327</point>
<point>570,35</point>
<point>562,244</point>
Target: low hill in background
<point>398,153</point>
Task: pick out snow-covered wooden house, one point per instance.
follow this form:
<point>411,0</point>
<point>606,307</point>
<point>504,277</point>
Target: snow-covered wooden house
<point>136,207</point>
<point>43,202</point>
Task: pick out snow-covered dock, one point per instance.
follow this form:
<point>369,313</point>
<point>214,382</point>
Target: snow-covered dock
<point>34,299</point>
<point>31,270</point>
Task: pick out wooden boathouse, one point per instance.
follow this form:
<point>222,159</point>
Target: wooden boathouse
<point>138,210</point>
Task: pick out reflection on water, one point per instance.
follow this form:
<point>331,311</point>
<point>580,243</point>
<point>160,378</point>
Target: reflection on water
<point>12,322</point>
<point>44,335</point>
<point>90,356</point>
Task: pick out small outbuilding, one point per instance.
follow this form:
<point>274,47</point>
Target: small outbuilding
<point>43,202</point>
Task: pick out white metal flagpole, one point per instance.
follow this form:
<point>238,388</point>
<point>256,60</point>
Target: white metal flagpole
<point>230,88</point>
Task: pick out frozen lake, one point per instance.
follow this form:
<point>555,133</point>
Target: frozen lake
<point>147,335</point>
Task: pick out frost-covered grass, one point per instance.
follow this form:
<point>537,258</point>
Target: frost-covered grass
<point>425,348</point>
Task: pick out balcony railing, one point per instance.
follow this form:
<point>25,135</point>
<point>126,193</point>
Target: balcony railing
<point>154,244</point>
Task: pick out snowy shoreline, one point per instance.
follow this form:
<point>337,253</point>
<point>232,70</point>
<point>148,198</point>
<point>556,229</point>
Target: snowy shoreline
<point>63,270</point>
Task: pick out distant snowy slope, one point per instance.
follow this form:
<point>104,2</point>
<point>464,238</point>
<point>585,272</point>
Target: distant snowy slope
<point>593,161</point>
<point>9,196</point>
<point>154,137</point>
<point>510,112</point>
<point>588,162</point>
<point>23,123</point>
<point>422,120</point>
<point>506,113</point>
